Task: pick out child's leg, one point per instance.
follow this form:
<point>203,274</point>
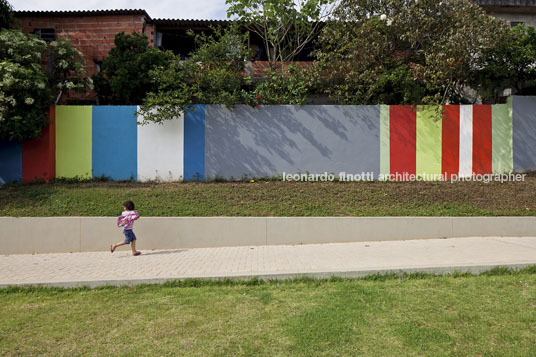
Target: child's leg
<point>132,237</point>
<point>117,245</point>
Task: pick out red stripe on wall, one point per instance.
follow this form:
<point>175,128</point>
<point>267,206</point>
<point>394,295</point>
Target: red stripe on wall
<point>450,140</point>
<point>39,155</point>
<point>403,135</point>
<point>482,147</point>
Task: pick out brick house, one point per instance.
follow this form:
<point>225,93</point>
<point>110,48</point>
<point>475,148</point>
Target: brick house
<point>513,11</point>
<point>92,32</point>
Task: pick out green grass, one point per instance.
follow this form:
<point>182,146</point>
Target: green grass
<point>489,315</point>
<point>272,198</point>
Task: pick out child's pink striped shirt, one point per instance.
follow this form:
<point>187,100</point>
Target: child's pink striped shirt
<point>126,219</point>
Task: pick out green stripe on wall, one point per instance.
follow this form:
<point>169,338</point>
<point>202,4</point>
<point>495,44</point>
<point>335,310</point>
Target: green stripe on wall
<point>73,141</point>
<point>502,153</point>
<point>385,158</point>
<point>429,127</point>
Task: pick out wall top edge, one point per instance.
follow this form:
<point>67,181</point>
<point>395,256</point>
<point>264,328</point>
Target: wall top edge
<point>287,218</point>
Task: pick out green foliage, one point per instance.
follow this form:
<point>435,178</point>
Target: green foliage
<point>24,94</point>
<point>69,72</point>
<point>290,86</point>
<point>26,91</point>
<point>413,51</point>
<point>511,64</point>
<point>213,74</point>
<point>6,15</point>
<point>286,27</point>
<point>124,77</point>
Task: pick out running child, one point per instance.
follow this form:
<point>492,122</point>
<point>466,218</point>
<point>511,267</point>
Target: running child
<point>126,220</point>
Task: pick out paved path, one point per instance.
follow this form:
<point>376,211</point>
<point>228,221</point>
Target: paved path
<point>318,260</point>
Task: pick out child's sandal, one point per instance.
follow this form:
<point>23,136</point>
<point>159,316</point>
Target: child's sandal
<point>111,248</point>
<point>137,253</point>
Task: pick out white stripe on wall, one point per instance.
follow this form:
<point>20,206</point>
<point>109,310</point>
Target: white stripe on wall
<point>161,150</point>
<point>466,140</point>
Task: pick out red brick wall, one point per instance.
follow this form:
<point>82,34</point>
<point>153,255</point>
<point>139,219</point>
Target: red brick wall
<point>92,35</point>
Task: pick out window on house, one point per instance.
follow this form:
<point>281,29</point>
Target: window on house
<point>46,34</point>
<point>515,23</point>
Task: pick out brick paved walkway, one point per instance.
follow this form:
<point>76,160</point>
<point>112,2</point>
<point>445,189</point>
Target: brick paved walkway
<point>319,260</point>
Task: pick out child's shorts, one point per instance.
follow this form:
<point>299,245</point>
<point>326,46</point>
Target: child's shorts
<point>129,235</point>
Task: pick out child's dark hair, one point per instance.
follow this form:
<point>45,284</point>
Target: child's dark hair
<point>129,205</point>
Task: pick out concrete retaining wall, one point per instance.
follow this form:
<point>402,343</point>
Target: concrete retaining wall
<point>84,234</point>
<point>274,139</point>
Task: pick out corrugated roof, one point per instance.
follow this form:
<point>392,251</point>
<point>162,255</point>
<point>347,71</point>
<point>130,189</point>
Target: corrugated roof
<point>44,13</point>
<point>505,2</point>
<point>189,22</point>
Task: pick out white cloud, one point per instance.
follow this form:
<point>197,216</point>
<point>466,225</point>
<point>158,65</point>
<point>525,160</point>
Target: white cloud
<point>178,9</point>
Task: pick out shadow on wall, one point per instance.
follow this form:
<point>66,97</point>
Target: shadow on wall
<point>524,133</point>
<point>270,140</point>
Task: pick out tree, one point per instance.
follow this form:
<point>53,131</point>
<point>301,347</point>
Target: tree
<point>26,91</point>
<point>410,51</point>
<point>124,77</point>
<point>285,26</point>
<point>213,74</point>
<point>6,15</point>
<point>511,64</point>
<point>69,72</point>
<point>290,85</point>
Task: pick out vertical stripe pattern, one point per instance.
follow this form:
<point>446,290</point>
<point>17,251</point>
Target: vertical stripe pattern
<point>194,143</point>
<point>466,140</point>
<point>385,164</point>
<point>502,154</point>
<point>73,141</point>
<point>402,135</point>
<point>428,143</point>
<point>450,141</point>
<point>85,142</point>
<point>39,155</point>
<point>10,162</point>
<point>115,141</point>
<point>160,150</point>
<point>482,136</point>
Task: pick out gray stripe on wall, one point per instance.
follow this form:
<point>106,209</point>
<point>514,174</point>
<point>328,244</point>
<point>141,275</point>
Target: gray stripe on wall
<point>270,140</point>
<point>524,132</point>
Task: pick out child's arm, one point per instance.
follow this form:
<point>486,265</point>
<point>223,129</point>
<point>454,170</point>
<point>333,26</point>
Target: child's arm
<point>135,216</point>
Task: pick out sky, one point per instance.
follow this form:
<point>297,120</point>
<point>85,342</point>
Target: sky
<point>168,9</point>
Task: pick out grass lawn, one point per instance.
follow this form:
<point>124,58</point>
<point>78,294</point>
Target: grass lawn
<point>487,315</point>
<point>273,198</point>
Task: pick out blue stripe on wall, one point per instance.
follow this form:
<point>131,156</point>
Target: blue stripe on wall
<point>10,162</point>
<point>194,144</point>
<point>114,146</point>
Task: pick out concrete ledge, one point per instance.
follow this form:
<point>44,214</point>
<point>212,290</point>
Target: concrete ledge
<point>86,234</point>
<point>438,271</point>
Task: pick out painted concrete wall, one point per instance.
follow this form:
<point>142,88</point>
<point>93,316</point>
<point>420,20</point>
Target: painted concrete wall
<point>213,140</point>
<point>114,142</point>
<point>160,150</point>
<point>524,133</point>
<point>73,141</point>
<point>10,162</point>
<point>270,140</point>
